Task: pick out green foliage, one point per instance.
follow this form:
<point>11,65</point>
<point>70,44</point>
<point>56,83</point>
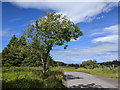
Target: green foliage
<point>52,62</point>
<point>10,54</point>
<point>19,53</point>
<point>34,46</point>
<point>90,64</point>
<point>31,77</point>
<point>15,52</point>
<point>51,30</point>
<point>33,52</point>
<point>114,63</point>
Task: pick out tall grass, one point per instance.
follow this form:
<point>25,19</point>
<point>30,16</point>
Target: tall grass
<point>31,77</point>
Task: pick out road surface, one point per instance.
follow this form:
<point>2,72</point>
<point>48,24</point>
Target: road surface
<point>84,80</point>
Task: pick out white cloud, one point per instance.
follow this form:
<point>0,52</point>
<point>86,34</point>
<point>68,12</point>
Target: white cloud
<point>4,33</point>
<point>100,17</point>
<point>112,29</point>
<point>112,37</point>
<point>76,11</point>
<point>109,38</point>
<point>102,52</point>
<point>15,19</point>
<point>97,33</point>
<point>95,50</point>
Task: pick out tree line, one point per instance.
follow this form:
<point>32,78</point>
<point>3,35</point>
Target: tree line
<point>19,53</point>
<point>91,64</point>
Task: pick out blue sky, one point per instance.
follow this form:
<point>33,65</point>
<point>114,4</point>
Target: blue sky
<point>97,20</point>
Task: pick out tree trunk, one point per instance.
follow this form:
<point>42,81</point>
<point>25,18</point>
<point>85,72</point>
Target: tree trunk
<point>45,66</point>
<point>45,62</point>
<point>45,58</point>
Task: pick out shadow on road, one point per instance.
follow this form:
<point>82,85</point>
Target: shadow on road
<point>92,85</point>
<point>70,77</point>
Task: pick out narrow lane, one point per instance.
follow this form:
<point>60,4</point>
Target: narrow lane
<point>84,80</point>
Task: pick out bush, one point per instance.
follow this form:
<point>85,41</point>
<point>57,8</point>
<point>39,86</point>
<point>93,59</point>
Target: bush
<point>90,64</point>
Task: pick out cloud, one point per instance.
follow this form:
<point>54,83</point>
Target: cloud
<point>102,52</point>
<point>97,33</point>
<point>100,17</point>
<point>111,38</point>
<point>4,32</point>
<point>15,19</point>
<point>94,50</point>
<point>76,11</point>
<point>112,29</point>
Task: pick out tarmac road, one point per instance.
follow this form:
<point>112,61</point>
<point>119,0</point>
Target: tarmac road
<point>84,80</point>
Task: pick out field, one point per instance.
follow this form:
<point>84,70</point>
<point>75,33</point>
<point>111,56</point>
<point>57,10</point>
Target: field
<point>105,72</point>
<point>31,77</point>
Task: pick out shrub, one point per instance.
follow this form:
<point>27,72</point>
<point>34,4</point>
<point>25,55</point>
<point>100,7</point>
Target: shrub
<point>90,64</point>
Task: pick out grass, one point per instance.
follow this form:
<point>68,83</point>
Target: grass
<point>105,72</point>
<point>31,77</point>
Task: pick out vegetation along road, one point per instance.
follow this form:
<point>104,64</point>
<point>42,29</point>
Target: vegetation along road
<point>84,80</point>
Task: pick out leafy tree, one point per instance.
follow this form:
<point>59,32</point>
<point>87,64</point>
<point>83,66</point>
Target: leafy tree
<point>90,64</point>
<point>33,54</point>
<point>15,52</point>
<point>51,30</point>
<point>19,53</point>
<point>10,53</point>
<point>21,48</point>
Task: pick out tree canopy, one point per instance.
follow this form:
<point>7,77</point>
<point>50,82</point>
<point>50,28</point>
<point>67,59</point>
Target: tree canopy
<point>51,30</point>
<point>89,64</point>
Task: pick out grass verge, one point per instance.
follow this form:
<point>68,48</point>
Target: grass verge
<point>105,72</point>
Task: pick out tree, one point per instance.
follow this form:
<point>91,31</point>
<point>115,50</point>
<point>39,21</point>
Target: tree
<point>51,30</point>
<point>90,64</point>
<point>33,54</point>
<point>15,52</point>
<point>10,53</point>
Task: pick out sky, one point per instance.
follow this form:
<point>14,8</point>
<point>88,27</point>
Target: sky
<point>97,20</point>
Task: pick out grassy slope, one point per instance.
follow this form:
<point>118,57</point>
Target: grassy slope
<point>105,72</point>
